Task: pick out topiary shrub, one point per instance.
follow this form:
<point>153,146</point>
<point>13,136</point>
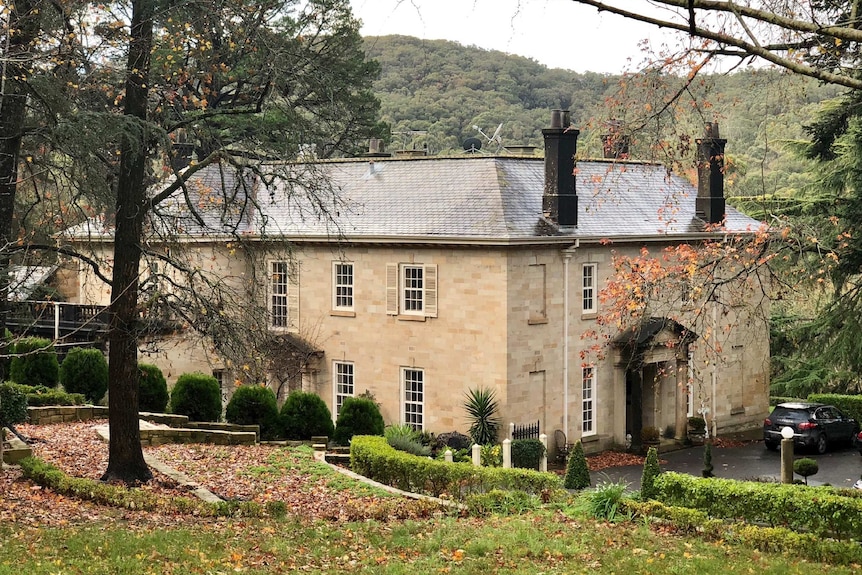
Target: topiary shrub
<point>650,472</point>
<point>197,396</point>
<point>526,453</point>
<point>305,415</point>
<point>153,391</point>
<point>13,404</point>
<point>805,467</point>
<point>358,416</point>
<point>577,471</point>
<point>85,371</point>
<point>254,405</point>
<point>35,362</point>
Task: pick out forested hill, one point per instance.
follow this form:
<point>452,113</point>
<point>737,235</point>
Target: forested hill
<point>434,91</point>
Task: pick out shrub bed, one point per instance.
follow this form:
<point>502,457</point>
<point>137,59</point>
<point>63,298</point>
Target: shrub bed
<point>820,511</point>
<point>47,475</point>
<point>374,458</point>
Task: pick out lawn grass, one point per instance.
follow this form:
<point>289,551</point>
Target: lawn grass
<point>541,543</point>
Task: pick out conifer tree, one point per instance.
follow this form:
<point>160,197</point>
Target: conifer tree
<point>650,472</point>
<point>577,472</point>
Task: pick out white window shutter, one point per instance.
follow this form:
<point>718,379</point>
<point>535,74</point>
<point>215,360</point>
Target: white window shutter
<point>392,289</point>
<point>430,274</point>
<point>293,298</point>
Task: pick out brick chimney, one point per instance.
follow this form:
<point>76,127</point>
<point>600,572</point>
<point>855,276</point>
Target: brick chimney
<point>560,199</point>
<point>709,204</point>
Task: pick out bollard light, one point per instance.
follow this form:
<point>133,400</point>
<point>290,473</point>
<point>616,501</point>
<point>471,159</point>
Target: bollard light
<point>787,455</point>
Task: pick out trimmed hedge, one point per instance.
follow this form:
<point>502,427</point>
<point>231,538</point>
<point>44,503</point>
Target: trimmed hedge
<point>850,405</point>
<point>47,475</point>
<point>769,539</point>
<point>55,397</point>
<point>374,458</point>
<point>818,510</point>
<point>527,453</point>
<point>198,396</point>
<point>85,371</point>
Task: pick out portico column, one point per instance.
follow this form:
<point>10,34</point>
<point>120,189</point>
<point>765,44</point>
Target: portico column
<point>681,396</point>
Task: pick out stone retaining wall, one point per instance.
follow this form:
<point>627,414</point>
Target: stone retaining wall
<point>180,429</point>
<point>216,436</point>
<point>65,413</point>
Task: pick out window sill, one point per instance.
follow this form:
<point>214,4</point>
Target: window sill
<point>589,315</point>
<point>342,313</point>
<point>590,438</point>
<point>537,321</point>
<point>405,317</point>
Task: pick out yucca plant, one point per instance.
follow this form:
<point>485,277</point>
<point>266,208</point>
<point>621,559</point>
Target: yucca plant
<point>482,407</point>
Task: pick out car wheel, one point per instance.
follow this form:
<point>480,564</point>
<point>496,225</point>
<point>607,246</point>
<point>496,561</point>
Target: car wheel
<point>772,446</point>
<point>821,444</point>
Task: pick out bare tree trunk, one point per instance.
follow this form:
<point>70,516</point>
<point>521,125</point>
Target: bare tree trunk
<point>25,22</point>
<point>126,458</point>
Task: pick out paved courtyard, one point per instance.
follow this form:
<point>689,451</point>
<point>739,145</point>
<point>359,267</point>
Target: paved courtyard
<point>840,467</point>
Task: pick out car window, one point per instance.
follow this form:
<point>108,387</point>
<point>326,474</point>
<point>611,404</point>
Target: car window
<point>791,414</point>
<point>824,413</point>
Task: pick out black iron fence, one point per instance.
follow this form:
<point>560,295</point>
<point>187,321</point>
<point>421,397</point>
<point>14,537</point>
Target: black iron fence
<point>526,431</point>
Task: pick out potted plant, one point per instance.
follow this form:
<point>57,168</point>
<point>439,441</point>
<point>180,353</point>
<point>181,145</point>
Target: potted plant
<point>649,437</point>
<point>696,430</point>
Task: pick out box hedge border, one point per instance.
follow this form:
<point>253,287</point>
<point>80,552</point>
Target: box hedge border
<point>47,475</point>
<point>768,539</point>
<point>818,510</point>
<point>374,458</point>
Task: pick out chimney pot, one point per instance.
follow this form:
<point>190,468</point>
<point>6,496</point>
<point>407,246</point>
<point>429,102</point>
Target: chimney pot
<point>710,204</point>
<point>560,200</point>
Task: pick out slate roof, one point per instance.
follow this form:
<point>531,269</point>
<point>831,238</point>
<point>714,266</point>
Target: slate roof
<point>500,198</point>
<point>466,198</point>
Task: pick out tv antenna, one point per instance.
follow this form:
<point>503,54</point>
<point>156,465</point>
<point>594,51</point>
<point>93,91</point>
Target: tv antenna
<point>495,139</point>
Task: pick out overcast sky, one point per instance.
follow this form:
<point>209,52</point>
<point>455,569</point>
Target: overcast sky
<point>557,33</point>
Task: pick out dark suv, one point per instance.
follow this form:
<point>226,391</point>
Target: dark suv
<point>814,425</point>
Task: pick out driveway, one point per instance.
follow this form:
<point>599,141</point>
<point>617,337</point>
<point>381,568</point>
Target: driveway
<point>840,467</point>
